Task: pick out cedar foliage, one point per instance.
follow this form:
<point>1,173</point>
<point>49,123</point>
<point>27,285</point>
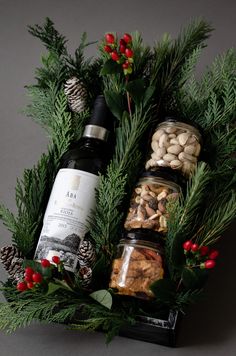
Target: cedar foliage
<point>162,83</point>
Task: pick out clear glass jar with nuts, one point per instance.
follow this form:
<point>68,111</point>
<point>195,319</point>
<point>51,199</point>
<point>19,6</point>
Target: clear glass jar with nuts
<point>176,145</point>
<point>148,201</point>
<point>137,265</point>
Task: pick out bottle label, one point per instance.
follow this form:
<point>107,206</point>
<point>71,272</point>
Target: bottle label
<point>66,218</point>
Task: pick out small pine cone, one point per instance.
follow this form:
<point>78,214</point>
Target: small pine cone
<point>86,254</point>
<point>85,274</point>
<point>76,94</point>
<point>12,259</point>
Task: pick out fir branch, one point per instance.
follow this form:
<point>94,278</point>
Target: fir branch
<point>186,298</point>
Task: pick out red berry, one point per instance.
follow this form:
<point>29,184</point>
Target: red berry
<point>127,38</point>
<point>122,42</point>
<point>110,38</point>
<point>29,271</point>
<point>213,254</point>
<point>37,277</point>
<point>122,48</point>
<point>30,285</point>
<point>115,56</point>
<point>187,245</point>
<point>28,277</point>
<point>204,250</point>
<point>129,53</point>
<point>21,286</point>
<point>56,260</point>
<point>107,49</point>
<point>209,264</point>
<point>45,263</point>
<point>125,65</point>
<point>194,247</point>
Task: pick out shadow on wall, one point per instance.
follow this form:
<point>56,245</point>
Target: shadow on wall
<point>213,320</point>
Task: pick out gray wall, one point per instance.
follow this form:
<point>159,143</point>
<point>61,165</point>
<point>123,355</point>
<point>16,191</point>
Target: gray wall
<point>210,326</point>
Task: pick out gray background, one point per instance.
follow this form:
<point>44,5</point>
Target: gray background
<point>209,328</point>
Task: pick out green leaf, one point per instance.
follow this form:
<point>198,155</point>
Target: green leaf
<point>136,89</point>
<point>115,102</point>
<point>110,67</point>
<point>103,297</point>
<point>53,287</point>
<point>148,95</point>
<point>164,290</point>
<point>193,278</point>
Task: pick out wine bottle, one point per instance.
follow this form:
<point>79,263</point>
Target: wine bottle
<point>72,198</point>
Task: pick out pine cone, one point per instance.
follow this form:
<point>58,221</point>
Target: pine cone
<point>86,254</point>
<point>85,274</point>
<point>76,94</point>
<point>12,259</point>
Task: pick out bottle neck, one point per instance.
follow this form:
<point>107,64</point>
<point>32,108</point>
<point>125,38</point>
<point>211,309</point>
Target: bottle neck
<point>94,131</point>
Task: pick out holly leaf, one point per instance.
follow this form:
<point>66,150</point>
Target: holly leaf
<point>114,101</point>
<point>164,290</point>
<point>103,297</point>
<point>110,67</point>
<point>193,278</point>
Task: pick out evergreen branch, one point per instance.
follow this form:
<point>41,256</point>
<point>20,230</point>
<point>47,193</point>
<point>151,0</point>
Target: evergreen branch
<point>50,37</point>
<point>216,220</point>
<point>183,215</point>
<point>8,218</point>
<point>170,58</point>
<point>184,299</point>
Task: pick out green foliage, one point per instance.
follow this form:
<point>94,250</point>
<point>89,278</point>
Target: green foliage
<point>162,82</point>
<point>49,36</point>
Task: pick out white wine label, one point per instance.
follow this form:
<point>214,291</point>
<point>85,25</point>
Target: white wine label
<point>66,218</point>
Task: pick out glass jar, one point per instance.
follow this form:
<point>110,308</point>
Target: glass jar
<point>148,201</point>
<point>138,264</point>
<point>176,145</point>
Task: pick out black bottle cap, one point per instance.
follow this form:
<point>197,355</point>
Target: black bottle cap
<point>142,235</point>
<point>168,174</point>
<point>101,115</point>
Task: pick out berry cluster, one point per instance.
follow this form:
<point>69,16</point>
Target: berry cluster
<point>202,254</point>
<point>33,278</point>
<point>120,51</point>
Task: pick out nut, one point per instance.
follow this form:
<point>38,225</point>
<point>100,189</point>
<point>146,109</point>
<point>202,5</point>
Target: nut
<point>163,141</point>
<point>150,211</point>
<point>169,157</point>
<point>176,164</point>
<point>170,129</point>
<point>186,157</point>
<point>175,149</point>
<point>162,195</point>
<point>190,149</point>
<point>157,134</point>
<point>154,145</point>
<point>183,138</point>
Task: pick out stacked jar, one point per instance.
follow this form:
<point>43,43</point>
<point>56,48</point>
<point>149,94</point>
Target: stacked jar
<point>149,199</point>
<point>175,150</point>
<point>176,145</point>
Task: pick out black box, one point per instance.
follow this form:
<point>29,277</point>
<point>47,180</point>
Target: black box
<point>157,331</point>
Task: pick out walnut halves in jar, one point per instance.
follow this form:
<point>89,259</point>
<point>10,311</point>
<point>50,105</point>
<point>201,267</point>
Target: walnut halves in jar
<point>149,199</point>
<point>176,145</point>
<point>138,264</point>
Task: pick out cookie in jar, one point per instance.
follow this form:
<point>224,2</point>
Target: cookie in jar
<point>177,145</point>
<point>148,204</point>
<point>138,264</point>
